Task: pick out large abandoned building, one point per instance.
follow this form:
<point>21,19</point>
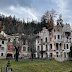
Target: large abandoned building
<point>48,45</point>
<point>55,44</point>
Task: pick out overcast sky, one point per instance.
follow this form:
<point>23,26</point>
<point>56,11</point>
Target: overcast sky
<point>34,9</point>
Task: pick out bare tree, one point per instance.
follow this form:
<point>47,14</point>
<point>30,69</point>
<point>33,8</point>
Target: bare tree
<point>16,48</point>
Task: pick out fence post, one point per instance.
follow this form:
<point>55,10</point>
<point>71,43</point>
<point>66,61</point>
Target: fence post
<point>6,69</point>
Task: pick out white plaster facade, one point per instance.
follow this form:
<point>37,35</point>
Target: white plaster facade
<point>58,42</point>
<point>3,47</point>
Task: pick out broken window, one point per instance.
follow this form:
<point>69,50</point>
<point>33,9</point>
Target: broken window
<point>2,42</point>
<point>56,46</point>
<point>1,54</point>
<point>57,54</point>
<point>67,46</point>
<point>60,45</point>
<point>50,55</point>
<point>64,54</point>
<point>41,41</point>
<point>28,49</point>
<point>64,46</point>
<point>46,48</point>
<point>50,46</point>
<point>58,36</point>
<point>8,39</point>
<point>8,47</point>
<point>38,48</point>
<point>46,39</point>
<point>2,48</point>
<point>55,36</point>
<point>54,30</point>
<point>61,36</point>
<point>23,42</point>
<point>41,47</point>
<point>24,48</point>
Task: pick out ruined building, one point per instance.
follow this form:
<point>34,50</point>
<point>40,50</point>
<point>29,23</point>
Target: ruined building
<point>54,44</point>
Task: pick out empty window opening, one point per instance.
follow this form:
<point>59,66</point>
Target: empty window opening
<point>67,46</point>
<point>54,30</point>
<point>2,42</point>
<point>38,48</point>
<point>56,46</point>
<point>46,39</point>
<point>64,54</point>
<point>50,55</point>
<point>57,54</point>
<point>1,54</point>
<point>55,36</point>
<point>58,36</point>
<point>46,48</point>
<point>2,48</point>
<point>24,48</point>
<point>50,46</point>
<point>8,47</point>
<point>41,40</point>
<point>64,46</point>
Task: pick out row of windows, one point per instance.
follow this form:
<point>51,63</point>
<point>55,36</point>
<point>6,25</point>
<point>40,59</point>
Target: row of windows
<point>42,47</point>
<point>58,37</point>
<point>57,54</point>
<point>42,40</point>
<point>65,46</point>
<point>24,49</point>
<point>57,46</point>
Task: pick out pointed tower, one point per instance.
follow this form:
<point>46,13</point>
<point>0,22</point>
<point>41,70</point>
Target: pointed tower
<point>60,21</point>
